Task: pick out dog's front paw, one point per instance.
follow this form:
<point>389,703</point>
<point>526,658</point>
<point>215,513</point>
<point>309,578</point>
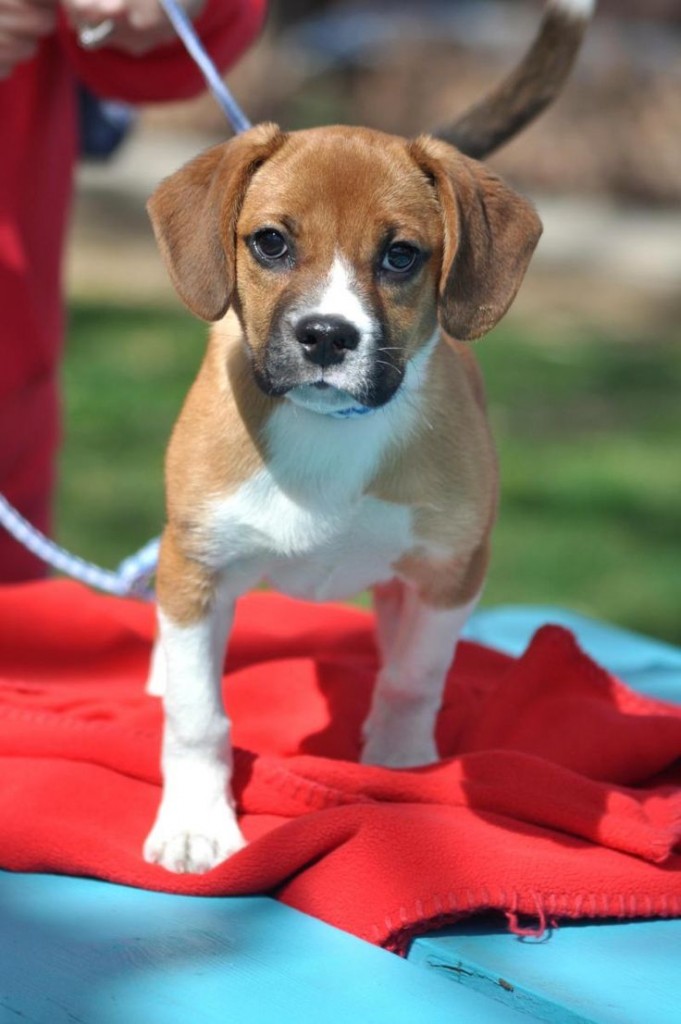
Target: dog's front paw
<point>193,844</point>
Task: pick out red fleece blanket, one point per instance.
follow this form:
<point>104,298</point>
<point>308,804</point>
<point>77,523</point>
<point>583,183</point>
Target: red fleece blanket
<point>558,794</point>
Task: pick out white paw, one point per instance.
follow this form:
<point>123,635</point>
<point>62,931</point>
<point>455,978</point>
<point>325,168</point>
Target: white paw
<point>193,846</point>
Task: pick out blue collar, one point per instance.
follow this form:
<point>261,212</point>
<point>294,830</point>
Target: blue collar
<point>352,412</point>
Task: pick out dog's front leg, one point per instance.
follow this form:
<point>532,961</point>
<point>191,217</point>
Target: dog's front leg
<point>196,825</point>
<point>417,644</point>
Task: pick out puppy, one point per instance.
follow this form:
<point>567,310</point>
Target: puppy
<point>335,438</point>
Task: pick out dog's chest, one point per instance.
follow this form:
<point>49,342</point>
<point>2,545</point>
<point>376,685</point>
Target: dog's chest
<point>348,554</point>
<point>319,550</point>
<point>304,521</point>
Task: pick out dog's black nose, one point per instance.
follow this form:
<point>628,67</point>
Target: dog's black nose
<point>326,339</point>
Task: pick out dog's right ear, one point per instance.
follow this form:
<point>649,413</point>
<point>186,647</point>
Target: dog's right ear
<point>490,233</point>
<point>194,214</point>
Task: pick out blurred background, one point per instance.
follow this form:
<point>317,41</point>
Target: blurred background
<point>584,373</point>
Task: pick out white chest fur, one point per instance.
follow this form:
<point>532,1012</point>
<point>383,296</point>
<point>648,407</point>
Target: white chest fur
<point>303,521</point>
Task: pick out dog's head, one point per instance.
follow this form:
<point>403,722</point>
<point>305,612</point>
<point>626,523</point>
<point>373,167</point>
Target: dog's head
<point>340,249</point>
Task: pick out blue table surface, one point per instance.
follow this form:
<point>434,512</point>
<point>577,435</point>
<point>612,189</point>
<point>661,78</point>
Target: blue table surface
<point>78,950</point>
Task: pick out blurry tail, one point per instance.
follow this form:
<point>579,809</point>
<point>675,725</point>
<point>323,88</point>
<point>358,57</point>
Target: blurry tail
<point>530,87</point>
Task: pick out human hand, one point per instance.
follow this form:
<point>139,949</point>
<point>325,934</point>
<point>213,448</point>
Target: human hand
<point>137,25</point>
<point>23,23</point>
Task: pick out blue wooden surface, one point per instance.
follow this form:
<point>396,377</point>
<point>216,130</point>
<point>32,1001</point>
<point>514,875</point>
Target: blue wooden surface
<point>77,951</point>
<point>605,973</point>
<point>601,972</point>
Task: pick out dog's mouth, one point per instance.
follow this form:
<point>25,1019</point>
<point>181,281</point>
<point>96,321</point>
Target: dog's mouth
<point>326,396</point>
<point>324,399</point>
<point>368,383</point>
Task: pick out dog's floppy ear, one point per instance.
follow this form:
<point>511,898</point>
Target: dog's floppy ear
<point>194,214</point>
<point>490,233</point>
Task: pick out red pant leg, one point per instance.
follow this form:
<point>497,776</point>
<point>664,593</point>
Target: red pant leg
<point>29,429</point>
<point>37,140</point>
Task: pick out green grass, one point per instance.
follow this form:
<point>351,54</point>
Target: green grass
<point>589,433</point>
<point>588,428</point>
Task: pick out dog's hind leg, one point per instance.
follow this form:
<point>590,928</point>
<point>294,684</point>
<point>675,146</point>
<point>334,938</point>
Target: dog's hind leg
<point>417,641</point>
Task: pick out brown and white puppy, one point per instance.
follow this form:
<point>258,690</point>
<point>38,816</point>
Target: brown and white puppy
<point>335,438</point>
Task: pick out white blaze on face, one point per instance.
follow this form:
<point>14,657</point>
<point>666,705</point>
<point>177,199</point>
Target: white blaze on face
<point>340,298</point>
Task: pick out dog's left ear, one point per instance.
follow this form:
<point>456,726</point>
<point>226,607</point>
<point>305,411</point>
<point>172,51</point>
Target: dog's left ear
<point>490,233</point>
<point>194,214</point>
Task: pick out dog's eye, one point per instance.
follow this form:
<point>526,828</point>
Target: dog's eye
<point>270,244</point>
<point>400,257</point>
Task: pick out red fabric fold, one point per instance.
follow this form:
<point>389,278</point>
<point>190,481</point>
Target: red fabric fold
<point>558,794</point>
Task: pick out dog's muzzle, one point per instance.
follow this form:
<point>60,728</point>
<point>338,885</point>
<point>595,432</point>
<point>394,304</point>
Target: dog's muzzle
<point>328,352</point>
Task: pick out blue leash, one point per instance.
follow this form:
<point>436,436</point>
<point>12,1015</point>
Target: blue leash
<point>195,48</point>
<point>133,575</point>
